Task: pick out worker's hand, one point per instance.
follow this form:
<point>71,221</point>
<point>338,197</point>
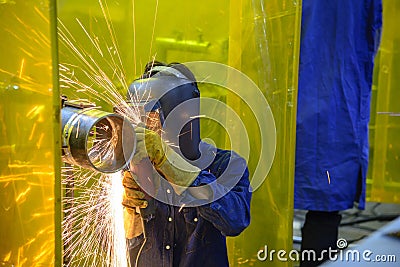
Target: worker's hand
<point>133,198</point>
<point>132,223</point>
<point>170,164</point>
<point>149,144</point>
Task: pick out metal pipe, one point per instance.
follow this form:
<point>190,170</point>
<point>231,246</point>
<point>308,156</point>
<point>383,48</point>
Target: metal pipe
<point>95,139</point>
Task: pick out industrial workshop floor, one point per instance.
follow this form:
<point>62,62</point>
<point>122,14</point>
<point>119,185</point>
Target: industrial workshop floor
<point>355,224</point>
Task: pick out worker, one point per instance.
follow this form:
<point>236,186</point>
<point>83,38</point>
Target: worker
<point>339,40</point>
<point>203,194</point>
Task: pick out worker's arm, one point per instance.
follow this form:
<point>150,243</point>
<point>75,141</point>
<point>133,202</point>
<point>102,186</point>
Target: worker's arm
<point>228,197</point>
<point>229,207</point>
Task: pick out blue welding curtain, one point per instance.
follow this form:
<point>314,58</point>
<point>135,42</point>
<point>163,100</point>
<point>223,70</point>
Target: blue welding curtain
<point>338,44</point>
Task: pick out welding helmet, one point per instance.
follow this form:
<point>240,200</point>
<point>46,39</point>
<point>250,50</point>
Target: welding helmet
<point>170,94</point>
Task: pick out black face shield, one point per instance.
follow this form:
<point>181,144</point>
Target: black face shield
<point>171,93</point>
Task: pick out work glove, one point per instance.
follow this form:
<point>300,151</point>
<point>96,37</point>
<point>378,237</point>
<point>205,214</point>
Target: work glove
<point>133,200</point>
<point>167,162</point>
<point>133,196</point>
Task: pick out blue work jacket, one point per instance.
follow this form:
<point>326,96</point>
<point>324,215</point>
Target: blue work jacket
<point>195,235</point>
<point>339,40</point>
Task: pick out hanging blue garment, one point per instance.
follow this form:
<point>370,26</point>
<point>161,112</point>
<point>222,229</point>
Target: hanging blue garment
<point>339,40</point>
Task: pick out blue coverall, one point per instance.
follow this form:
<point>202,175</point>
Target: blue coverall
<point>339,40</point>
<point>196,236</point>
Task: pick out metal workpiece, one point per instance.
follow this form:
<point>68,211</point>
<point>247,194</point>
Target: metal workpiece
<point>95,139</point>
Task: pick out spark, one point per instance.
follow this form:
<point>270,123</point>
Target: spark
<point>33,131</point>
<point>30,41</point>
<point>329,178</point>
<point>35,111</point>
<point>93,233</point>
<point>154,27</point>
<point>115,198</point>
<point>198,116</point>
<point>22,67</point>
<point>134,34</point>
<point>102,147</point>
<point>395,114</point>
<point>180,209</point>
<point>95,44</point>
<point>7,257</point>
<point>171,144</point>
<point>189,131</point>
<point>40,140</point>
<point>41,15</point>
<point>205,79</point>
<point>77,129</point>
<point>22,195</point>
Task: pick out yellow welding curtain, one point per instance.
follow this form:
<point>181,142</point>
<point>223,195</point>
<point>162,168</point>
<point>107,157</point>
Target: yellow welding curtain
<point>383,180</point>
<point>258,38</point>
<point>30,212</point>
